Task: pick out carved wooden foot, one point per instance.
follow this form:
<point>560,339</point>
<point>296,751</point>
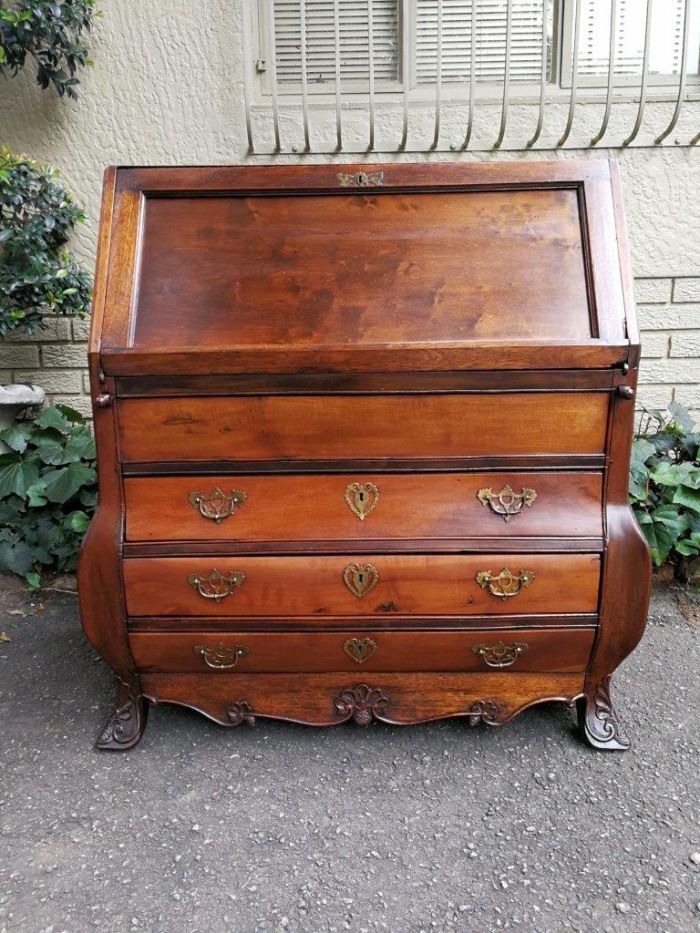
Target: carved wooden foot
<point>599,722</point>
<point>125,726</point>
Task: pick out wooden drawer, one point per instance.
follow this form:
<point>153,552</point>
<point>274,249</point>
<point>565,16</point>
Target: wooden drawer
<point>383,584</point>
<point>337,427</point>
<point>564,650</point>
<point>362,507</point>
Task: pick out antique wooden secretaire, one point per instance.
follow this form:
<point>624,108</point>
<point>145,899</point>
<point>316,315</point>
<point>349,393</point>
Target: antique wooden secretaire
<point>363,437</point>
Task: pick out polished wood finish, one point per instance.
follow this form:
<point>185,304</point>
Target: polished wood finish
<point>348,427</point>
<point>311,699</point>
<point>562,651</point>
<point>267,331</point>
<point>313,508</point>
<point>406,585</point>
<point>277,271</point>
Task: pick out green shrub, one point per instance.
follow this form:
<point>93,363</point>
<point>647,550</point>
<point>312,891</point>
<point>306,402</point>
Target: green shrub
<point>37,274</point>
<point>665,486</point>
<point>48,492</point>
<point>50,34</point>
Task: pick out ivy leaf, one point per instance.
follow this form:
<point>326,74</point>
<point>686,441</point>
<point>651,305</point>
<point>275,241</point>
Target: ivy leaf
<point>687,548</point>
<point>672,474</point>
<point>690,498</point>
<point>17,476</point>
<point>15,437</point>
<point>70,413</point>
<point>16,557</point>
<point>33,580</point>
<point>53,418</point>
<point>52,449</point>
<point>662,528</point>
<point>78,521</point>
<point>63,484</point>
<point>35,495</point>
<point>81,446</point>
<point>681,416</point>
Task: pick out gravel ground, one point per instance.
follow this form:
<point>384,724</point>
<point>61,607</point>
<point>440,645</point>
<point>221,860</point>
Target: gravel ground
<point>285,828</point>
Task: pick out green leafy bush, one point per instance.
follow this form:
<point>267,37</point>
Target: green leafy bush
<point>48,492</point>
<point>49,33</point>
<point>665,486</point>
<point>37,274</point>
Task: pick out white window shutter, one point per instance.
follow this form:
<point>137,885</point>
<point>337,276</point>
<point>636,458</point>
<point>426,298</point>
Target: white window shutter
<point>526,40</point>
<point>666,46</point>
<point>320,40</point>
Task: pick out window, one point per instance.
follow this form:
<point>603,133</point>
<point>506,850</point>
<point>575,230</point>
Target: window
<point>403,36</point>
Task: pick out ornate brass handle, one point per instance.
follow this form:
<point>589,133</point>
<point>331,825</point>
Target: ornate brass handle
<point>361,498</point>
<point>359,649</point>
<point>360,578</point>
<point>507,502</point>
<point>500,654</point>
<point>218,505</point>
<point>221,658</point>
<point>216,585</point>
<point>504,584</point>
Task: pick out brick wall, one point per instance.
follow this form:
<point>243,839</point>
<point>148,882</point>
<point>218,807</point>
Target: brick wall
<point>54,358</point>
<point>669,320</point>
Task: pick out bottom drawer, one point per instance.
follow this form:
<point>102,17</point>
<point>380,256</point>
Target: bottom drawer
<point>564,650</point>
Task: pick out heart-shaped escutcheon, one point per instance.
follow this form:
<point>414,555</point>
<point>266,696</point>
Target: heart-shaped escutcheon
<point>361,498</point>
<point>359,649</point>
<point>360,578</point>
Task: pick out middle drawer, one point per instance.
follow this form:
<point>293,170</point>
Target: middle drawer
<point>365,507</point>
<point>319,586</point>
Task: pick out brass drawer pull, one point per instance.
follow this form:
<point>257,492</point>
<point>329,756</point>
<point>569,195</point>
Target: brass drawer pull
<point>218,505</point>
<point>361,498</point>
<point>360,578</point>
<point>216,585</point>
<point>504,584</point>
<point>221,658</point>
<point>507,502</point>
<point>360,649</point>
<point>500,654</point>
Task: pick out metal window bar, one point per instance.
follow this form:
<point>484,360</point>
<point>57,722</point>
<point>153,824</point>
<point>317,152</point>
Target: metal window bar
<point>611,69</point>
<point>455,37</point>
<point>645,76</point>
<point>506,75</point>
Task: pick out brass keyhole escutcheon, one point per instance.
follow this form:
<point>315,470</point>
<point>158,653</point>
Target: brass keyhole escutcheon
<point>360,649</point>
<point>361,498</point>
<point>360,578</point>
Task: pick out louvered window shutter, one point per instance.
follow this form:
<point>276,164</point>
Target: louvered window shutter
<point>320,40</point>
<point>492,18</point>
<point>666,45</point>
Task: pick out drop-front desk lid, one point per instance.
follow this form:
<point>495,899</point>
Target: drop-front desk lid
<point>369,268</point>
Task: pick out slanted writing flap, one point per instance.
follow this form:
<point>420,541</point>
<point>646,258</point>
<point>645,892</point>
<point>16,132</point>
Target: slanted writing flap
<point>360,269</point>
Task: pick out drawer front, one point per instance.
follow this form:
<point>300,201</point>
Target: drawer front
<point>362,585</point>
<point>565,650</point>
<point>336,427</point>
<point>363,507</point>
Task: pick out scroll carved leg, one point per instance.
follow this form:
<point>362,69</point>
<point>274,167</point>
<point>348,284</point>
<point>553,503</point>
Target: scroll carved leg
<point>125,725</point>
<point>599,721</point>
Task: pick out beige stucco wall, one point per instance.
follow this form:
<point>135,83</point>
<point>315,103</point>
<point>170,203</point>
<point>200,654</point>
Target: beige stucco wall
<point>167,88</point>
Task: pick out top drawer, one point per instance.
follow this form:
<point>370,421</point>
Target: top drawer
<point>358,427</point>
